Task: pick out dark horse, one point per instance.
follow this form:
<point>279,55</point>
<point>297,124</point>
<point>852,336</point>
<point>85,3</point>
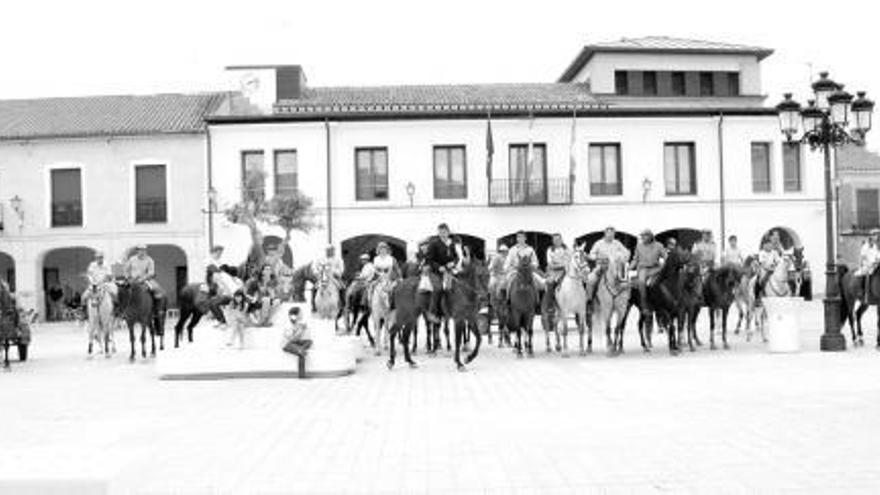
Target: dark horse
<point>523,299</point>
<point>690,300</point>
<point>664,301</point>
<point>468,296</point>
<point>194,303</point>
<point>404,319</point>
<point>718,295</point>
<point>357,314</point>
<point>852,290</point>
<point>137,306</point>
<point>9,322</point>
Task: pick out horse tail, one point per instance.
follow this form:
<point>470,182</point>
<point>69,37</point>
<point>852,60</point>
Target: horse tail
<point>842,278</point>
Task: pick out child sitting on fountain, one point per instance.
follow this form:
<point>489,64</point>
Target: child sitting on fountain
<point>240,317</point>
<point>296,339</point>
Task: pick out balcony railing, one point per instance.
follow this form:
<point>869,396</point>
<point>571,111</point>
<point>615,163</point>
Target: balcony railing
<point>556,191</point>
<point>150,210</point>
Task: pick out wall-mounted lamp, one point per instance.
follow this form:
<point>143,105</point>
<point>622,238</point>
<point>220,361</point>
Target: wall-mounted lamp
<point>16,203</point>
<point>410,191</point>
<point>212,209</point>
<point>646,188</point>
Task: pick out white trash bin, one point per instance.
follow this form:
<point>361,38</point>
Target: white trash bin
<point>783,333</point>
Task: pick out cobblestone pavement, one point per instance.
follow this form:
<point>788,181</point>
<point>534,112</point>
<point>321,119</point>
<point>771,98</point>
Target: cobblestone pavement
<point>738,421</point>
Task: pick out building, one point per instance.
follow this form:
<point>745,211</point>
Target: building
<point>858,193</point>
<point>100,173</point>
<point>654,132</point>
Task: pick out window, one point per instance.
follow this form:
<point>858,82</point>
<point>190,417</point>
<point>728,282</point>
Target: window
<point>761,182</point>
<point>706,84</point>
<point>791,167</point>
<point>679,169</point>
<point>678,86</point>
<point>528,177</point>
<point>372,173</point>
<point>733,83</point>
<point>621,82</point>
<point>450,172</point>
<point>66,186</point>
<point>150,194</point>
<point>649,83</point>
<point>286,177</point>
<point>867,212</point>
<point>253,176</point>
<point>605,170</point>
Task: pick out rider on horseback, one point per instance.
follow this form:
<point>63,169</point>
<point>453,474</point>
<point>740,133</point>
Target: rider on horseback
<point>648,261</point>
<point>383,266</point>
<point>518,252</point>
<point>768,259</point>
<point>141,269</point>
<point>100,274</point>
<point>558,259</point>
<point>706,250</point>
<point>329,264</point>
<point>732,255</point>
<point>607,248</point>
<point>496,267</point>
<point>443,256</point>
<point>869,258</point>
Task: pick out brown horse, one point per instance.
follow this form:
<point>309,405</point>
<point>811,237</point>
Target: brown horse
<point>718,296</point>
<point>9,322</point>
<point>137,307</point>
<point>523,299</point>
<point>468,296</point>
<point>852,291</point>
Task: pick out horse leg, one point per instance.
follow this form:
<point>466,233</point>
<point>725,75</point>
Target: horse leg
<point>131,339</point>
<point>519,343</point>
<point>580,321</point>
<point>711,329</point>
<point>696,336</point>
<point>459,335</point>
<point>197,316</point>
<point>6,355</point>
<point>446,333</point>
<point>178,327</point>
<point>858,331</point>
<point>479,340</point>
<point>547,323</point>
<point>407,329</point>
<point>392,350</point>
<point>152,332</point>
<point>724,311</point>
<point>692,329</point>
<point>531,333</point>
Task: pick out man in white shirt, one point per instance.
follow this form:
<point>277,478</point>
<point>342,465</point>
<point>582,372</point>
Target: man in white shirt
<point>609,248</point>
<point>214,259</point>
<point>869,258</point>
<point>732,255</point>
<point>518,252</point>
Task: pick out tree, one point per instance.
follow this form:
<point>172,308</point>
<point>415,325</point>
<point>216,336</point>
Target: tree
<point>291,212</point>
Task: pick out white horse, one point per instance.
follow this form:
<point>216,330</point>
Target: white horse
<point>745,300</point>
<point>776,286</point>
<point>380,310</point>
<point>571,299</point>
<point>102,323</point>
<point>327,295</point>
<point>612,295</point>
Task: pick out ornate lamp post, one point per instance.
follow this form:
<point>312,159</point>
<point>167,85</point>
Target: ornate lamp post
<point>410,191</point>
<point>830,120</point>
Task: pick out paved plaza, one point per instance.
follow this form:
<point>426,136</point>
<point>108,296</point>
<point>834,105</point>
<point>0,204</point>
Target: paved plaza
<point>738,421</point>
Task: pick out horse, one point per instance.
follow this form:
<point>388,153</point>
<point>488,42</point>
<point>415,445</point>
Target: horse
<point>663,302</point>
<point>468,296</point>
<point>744,298</point>
<point>718,296</point>
<point>102,322</point>
<point>380,308</point>
<point>690,300</point>
<point>612,296</point>
<point>326,296</point>
<point>570,298</point>
<point>300,276</point>
<point>852,290</point>
<point>522,300</point>
<point>136,306</point>
<point>404,319</point>
<point>356,313</point>
<point>9,322</point>
<point>796,271</point>
<point>194,301</point>
<point>776,285</point>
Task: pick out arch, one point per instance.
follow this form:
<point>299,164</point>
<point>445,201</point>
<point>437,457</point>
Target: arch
<point>591,238</point>
<point>787,236</point>
<point>172,269</point>
<point>355,246</point>
<point>686,237</point>
<point>64,278</point>
<point>477,245</point>
<point>270,241</point>
<point>539,241</point>
<point>7,270</point>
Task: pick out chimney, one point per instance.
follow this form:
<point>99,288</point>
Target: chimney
<point>264,85</point>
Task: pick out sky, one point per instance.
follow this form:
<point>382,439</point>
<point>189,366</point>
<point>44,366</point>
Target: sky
<point>55,48</point>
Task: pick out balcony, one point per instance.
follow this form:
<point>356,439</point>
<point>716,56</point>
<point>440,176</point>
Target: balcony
<point>509,192</point>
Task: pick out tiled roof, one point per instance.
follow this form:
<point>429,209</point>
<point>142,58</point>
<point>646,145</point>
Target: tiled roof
<point>97,116</point>
<point>438,98</point>
<point>662,44</point>
<point>852,158</point>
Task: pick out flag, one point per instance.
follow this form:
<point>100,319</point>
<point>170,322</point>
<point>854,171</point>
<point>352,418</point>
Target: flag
<point>530,154</point>
<point>572,149</point>
<point>490,146</point>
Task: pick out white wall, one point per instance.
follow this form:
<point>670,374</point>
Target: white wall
<point>411,159</point>
<point>600,69</point>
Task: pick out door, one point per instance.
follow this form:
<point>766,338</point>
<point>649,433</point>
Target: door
<point>51,279</point>
<point>528,174</point>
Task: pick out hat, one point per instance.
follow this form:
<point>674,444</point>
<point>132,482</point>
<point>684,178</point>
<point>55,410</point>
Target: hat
<point>382,244</point>
<point>365,256</point>
<point>518,232</point>
<point>443,226</point>
<point>647,232</point>
<point>503,247</point>
<point>141,247</point>
<point>609,228</point>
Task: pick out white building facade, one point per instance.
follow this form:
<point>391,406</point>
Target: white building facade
<point>81,175</point>
<point>671,135</point>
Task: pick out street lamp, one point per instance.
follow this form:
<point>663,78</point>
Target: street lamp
<point>16,203</point>
<point>646,188</point>
<point>210,211</point>
<point>831,120</point>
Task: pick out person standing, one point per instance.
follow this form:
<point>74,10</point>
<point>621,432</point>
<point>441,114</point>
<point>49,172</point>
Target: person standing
<point>648,261</point>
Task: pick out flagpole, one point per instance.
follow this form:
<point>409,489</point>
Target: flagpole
<point>572,150</point>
